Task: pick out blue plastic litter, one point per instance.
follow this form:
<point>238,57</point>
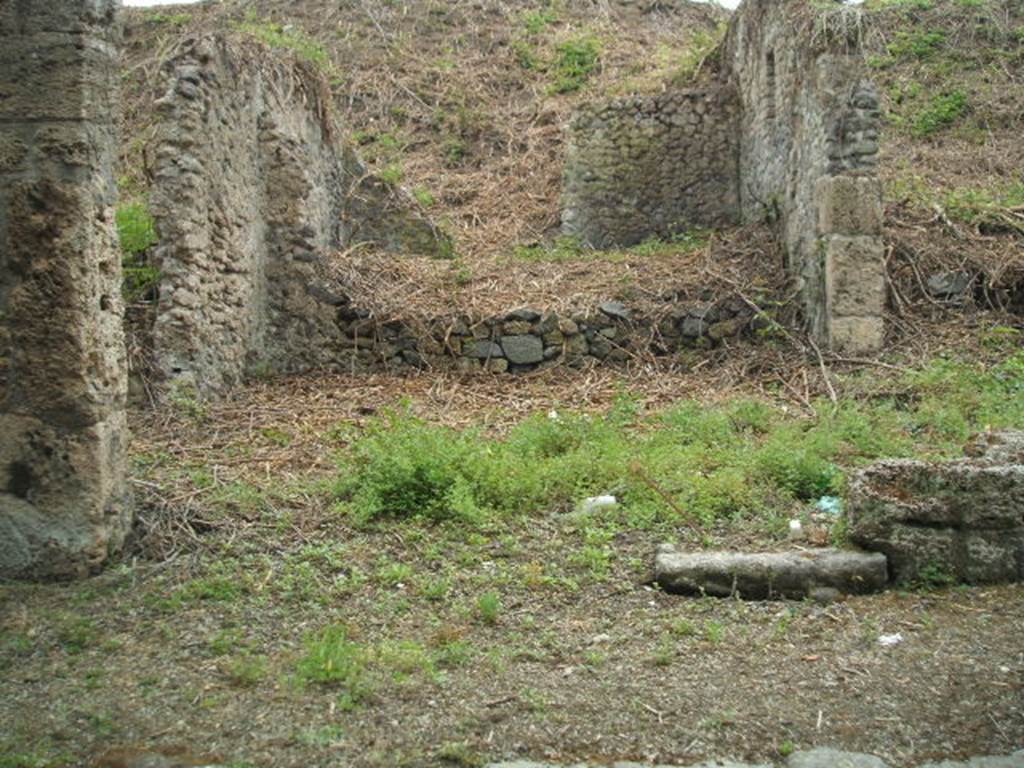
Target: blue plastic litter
<point>831,505</point>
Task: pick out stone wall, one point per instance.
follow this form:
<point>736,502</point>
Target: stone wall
<point>252,188</point>
<point>789,134</point>
<point>526,339</point>
<point>651,166</point>
<point>63,380</point>
<point>808,153</point>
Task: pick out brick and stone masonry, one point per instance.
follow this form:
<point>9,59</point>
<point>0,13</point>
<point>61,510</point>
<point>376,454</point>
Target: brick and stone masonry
<point>63,380</point>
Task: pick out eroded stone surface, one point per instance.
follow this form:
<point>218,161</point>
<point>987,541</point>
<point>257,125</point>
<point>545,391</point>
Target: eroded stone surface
<point>774,575</point>
<point>638,167</point>
<point>253,189</point>
<point>955,520</point>
<point>825,757</point>
<point>63,382</point>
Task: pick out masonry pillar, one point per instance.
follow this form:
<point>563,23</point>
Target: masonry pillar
<point>850,231</point>
<point>63,380</point>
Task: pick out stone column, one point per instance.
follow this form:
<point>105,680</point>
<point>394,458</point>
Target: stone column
<point>63,379</point>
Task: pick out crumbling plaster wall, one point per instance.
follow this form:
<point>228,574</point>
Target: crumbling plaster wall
<point>808,156</point>
<point>648,166</point>
<point>63,372</point>
<point>252,190</point>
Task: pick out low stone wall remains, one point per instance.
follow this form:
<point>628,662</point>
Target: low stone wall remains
<point>525,339</point>
<point>955,521</point>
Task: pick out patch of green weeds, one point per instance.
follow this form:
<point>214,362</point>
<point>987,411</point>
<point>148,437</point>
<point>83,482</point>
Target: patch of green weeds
<point>728,462</point>
<point>935,575</point>
<point>436,589</point>
<point>919,44</point>
<point>136,232</point>
<point>714,632</point>
<point>246,669</point>
<point>332,659</point>
<point>391,175</point>
<point>169,19</point>
<point>982,206</point>
<point>424,197</point>
<point>77,633</point>
<point>394,574</point>
<point>684,628</point>
<point>488,608</point>
<point>535,22</point>
<point>568,248</point>
<point>288,37</point>
<point>324,736</point>
<point>13,646</point>
<point>226,641</point>
<point>942,110</point>
<point>42,753</point>
<point>699,47</point>
<point>575,60</point>
<point>185,398</point>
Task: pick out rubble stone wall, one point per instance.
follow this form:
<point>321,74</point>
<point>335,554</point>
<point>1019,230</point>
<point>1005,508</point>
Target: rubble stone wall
<point>651,166</point>
<point>789,134</point>
<point>252,189</point>
<point>526,339</point>
<point>63,370</point>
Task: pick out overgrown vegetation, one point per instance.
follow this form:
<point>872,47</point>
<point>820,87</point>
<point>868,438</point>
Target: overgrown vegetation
<point>575,60</point>
<point>691,464</point>
<point>285,36</point>
<point>567,248</point>
<point>137,234</point>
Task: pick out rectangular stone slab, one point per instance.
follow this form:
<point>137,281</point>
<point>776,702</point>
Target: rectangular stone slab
<point>770,575</point>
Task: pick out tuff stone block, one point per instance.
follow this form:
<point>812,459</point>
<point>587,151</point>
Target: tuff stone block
<point>849,205</point>
<point>64,505</point>
<point>854,276</point>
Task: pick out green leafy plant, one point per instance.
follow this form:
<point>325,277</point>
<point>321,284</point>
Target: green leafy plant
<point>288,37</point>
<point>136,232</point>
<point>575,60</point>
<point>488,607</point>
<point>942,111</point>
<point>332,659</point>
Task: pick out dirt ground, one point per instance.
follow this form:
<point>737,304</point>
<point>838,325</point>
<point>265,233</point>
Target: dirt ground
<point>195,639</point>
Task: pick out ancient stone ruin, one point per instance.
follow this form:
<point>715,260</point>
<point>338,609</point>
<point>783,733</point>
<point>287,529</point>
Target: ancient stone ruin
<point>253,187</point>
<point>953,521</point>
<point>63,371</point>
<point>787,133</point>
<point>945,522</point>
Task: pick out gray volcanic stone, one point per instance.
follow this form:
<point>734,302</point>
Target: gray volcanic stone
<point>525,314</point>
<point>485,349</point>
<point>1016,760</point>
<point>523,349</point>
<point>833,758</point>
<point>1005,447</point>
<point>962,520</point>
<point>769,575</point>
<point>615,310</point>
